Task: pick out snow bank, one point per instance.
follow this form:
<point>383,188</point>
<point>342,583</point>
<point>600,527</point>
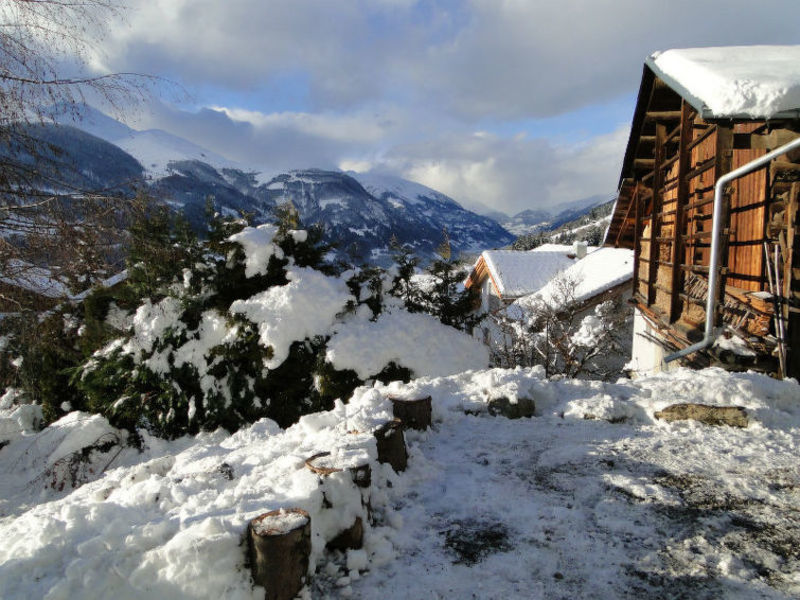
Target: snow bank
<point>416,341</point>
<point>168,523</point>
<point>171,526</point>
<point>751,81</point>
<point>303,308</point>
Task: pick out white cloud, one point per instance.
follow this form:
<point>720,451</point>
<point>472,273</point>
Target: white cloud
<point>362,128</point>
<point>476,58</point>
<point>434,91</point>
<point>512,174</point>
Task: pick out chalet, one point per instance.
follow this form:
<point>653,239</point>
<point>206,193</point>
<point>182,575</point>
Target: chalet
<point>502,276</point>
<point>708,201</point>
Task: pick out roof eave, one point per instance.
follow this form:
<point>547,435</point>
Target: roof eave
<point>704,111</point>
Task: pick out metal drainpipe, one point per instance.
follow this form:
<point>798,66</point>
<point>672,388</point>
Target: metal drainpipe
<point>713,278</point>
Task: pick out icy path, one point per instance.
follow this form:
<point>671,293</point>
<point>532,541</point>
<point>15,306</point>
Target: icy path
<point>555,508</point>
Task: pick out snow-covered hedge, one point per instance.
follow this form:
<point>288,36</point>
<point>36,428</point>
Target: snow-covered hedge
<point>255,331</point>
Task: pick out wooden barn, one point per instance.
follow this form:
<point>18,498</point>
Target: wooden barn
<point>712,123</point>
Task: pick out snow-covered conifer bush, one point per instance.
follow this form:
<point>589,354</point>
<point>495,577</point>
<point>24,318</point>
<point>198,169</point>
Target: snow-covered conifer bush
<point>258,327</point>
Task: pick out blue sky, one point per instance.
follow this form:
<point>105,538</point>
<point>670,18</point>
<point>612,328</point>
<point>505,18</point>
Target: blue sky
<point>493,102</point>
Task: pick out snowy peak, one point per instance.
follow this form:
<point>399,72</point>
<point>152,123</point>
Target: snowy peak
<point>401,192</point>
<point>363,213</point>
<point>153,148</point>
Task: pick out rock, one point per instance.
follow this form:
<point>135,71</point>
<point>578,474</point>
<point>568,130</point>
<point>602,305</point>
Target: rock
<point>734,416</point>
<point>523,407</point>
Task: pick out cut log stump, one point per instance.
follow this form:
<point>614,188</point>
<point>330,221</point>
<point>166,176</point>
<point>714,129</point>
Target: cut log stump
<point>414,413</point>
<point>280,545</point>
<point>361,474</point>
<point>351,538</point>
<point>392,445</point>
<point>735,416</point>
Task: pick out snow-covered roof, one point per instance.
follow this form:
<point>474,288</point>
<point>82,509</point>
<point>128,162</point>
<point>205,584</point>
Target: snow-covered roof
<point>518,273</point>
<point>598,272</point>
<point>756,82</point>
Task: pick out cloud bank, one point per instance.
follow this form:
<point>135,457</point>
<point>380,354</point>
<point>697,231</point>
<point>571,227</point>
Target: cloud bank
<point>452,93</point>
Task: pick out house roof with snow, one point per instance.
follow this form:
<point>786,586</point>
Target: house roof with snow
<point>744,82</point>
<point>516,273</point>
<point>703,113</point>
<point>600,271</point>
<point>741,84</point>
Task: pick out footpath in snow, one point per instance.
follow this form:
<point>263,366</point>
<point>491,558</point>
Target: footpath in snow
<point>561,506</point>
<point>591,498</point>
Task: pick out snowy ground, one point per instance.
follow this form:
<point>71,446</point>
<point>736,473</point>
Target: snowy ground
<point>557,506</point>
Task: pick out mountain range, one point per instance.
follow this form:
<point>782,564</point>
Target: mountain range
<point>361,214</point>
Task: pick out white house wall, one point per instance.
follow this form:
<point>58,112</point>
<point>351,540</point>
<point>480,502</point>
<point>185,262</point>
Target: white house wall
<point>647,354</point>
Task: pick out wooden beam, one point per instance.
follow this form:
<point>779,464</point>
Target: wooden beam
<point>678,248</point>
<point>663,115</point>
<point>624,222</point>
<point>723,164</point>
<point>637,232</point>
<point>661,132</point>
<point>763,141</point>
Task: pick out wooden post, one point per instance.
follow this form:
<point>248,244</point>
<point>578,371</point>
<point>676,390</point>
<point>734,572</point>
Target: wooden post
<point>414,413</point>
<point>678,251</point>
<point>724,162</point>
<point>655,225</point>
<point>280,546</point>
<point>351,538</point>
<point>790,278</point>
<point>392,445</point>
<point>637,242</point>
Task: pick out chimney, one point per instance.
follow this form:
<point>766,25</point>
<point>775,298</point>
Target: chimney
<point>579,250</point>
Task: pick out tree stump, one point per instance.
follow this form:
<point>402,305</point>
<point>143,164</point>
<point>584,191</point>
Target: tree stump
<point>280,545</point>
<point>735,416</point>
<point>392,445</point>
<point>351,538</point>
<point>415,413</point>
<point>361,474</point>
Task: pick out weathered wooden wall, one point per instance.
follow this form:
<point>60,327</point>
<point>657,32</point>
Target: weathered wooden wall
<point>664,211</point>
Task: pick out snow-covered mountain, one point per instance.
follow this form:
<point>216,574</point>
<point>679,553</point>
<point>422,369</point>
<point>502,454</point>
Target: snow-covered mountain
<point>531,221</point>
<point>153,148</point>
<point>361,214</point>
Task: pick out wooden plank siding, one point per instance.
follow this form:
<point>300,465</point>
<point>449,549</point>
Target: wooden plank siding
<point>665,206</point>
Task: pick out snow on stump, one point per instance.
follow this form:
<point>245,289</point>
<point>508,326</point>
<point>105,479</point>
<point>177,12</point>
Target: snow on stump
<point>280,545</point>
<point>523,407</point>
<point>321,464</point>
<point>735,416</point>
<point>392,445</point>
<point>414,413</point>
